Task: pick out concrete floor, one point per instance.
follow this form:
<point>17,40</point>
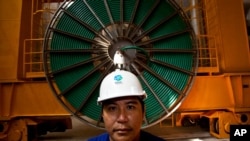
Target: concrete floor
<point>81,132</point>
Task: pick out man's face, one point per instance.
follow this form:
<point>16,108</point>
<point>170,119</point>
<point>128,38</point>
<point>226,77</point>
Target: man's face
<point>123,118</point>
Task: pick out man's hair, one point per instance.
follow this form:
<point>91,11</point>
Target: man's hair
<point>139,98</point>
<point>142,104</point>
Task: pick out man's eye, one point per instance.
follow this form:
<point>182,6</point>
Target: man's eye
<point>131,107</point>
<point>112,108</point>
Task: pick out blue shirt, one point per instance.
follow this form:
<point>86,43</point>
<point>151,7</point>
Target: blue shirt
<point>145,136</point>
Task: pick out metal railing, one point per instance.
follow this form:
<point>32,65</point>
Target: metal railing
<point>202,14</point>
<point>33,58</point>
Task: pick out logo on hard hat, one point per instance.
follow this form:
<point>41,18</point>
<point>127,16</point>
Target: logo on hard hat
<point>118,78</point>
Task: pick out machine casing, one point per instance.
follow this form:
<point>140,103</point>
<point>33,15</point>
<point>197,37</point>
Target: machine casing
<point>220,92</point>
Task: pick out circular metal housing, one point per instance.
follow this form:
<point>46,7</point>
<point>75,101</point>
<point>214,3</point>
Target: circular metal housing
<point>154,36</point>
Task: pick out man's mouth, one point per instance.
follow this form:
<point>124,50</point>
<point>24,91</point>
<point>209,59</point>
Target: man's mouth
<point>122,130</point>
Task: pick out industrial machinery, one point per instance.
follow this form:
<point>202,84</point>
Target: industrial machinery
<point>191,56</point>
<point>81,42</point>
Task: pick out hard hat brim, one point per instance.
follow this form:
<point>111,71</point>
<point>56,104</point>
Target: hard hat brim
<point>143,96</point>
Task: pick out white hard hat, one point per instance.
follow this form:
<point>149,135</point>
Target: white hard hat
<point>120,83</point>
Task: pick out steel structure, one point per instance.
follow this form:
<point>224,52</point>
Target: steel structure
<point>191,57</point>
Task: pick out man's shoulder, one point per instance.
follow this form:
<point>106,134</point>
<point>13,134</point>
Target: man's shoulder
<point>145,136</point>
<point>101,137</point>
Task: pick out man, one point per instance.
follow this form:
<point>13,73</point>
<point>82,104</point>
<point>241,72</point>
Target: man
<point>121,97</point>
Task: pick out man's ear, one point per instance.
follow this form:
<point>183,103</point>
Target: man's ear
<point>101,120</point>
<point>144,114</point>
<point>144,119</point>
<point>144,111</point>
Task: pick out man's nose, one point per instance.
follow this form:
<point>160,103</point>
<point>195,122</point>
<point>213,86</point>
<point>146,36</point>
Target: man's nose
<point>123,116</point>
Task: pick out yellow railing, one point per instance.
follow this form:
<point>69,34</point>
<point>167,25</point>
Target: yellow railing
<point>41,14</point>
<point>202,24</point>
<point>33,58</point>
<point>208,54</point>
